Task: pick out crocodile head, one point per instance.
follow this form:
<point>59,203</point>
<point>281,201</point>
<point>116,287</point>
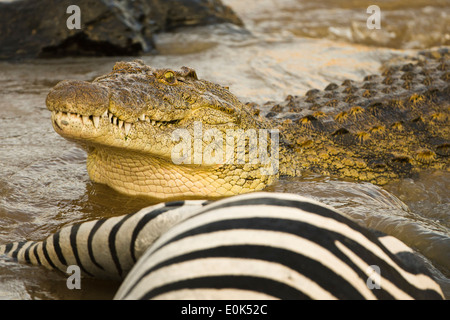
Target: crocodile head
<point>132,120</point>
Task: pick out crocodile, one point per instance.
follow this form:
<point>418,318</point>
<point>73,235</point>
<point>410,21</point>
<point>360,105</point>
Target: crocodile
<point>386,127</point>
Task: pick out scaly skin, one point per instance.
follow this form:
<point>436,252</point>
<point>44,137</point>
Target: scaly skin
<point>384,128</point>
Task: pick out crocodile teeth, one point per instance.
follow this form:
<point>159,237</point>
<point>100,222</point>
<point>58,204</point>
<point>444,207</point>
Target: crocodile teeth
<point>153,122</point>
<point>142,118</point>
<point>105,114</point>
<point>114,120</point>
<point>120,124</point>
<point>96,121</point>
<point>127,128</point>
<point>85,120</point>
<point>110,115</point>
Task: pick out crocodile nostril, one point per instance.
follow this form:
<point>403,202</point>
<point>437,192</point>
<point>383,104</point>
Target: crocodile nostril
<point>64,122</point>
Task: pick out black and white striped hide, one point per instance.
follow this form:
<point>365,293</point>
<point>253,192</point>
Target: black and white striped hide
<point>253,246</point>
<point>105,248</point>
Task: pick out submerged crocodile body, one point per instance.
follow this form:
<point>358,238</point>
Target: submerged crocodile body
<point>386,127</point>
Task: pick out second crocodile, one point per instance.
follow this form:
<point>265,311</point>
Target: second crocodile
<point>385,127</point>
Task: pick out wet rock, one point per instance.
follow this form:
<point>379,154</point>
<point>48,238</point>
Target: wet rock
<point>39,29</point>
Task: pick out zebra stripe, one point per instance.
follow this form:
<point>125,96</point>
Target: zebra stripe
<point>106,248</point>
<point>253,246</point>
<point>272,245</point>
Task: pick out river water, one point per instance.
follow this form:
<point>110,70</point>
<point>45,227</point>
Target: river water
<point>290,46</point>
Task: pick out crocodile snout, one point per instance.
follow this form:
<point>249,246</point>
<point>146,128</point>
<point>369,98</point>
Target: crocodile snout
<point>81,97</point>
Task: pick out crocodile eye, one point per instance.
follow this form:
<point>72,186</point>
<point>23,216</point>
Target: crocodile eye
<point>170,76</point>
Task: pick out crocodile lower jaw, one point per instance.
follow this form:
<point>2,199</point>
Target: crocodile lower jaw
<point>153,177</point>
<point>146,172</point>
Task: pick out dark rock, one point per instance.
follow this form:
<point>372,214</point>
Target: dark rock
<point>33,29</point>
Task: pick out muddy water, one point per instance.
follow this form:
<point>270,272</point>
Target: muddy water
<point>292,46</point>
